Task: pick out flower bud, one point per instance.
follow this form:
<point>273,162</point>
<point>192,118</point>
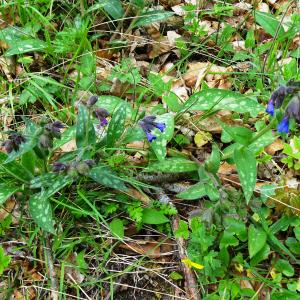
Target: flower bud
<point>45,141</point>
<point>92,100</point>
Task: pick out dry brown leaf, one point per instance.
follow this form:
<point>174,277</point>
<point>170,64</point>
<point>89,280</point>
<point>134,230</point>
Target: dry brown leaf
<point>263,7</point>
<point>227,169</point>
<point>277,145</point>
<point>138,195</point>
<point>148,248</point>
<point>161,46</point>
<point>8,208</point>
<point>196,73</point>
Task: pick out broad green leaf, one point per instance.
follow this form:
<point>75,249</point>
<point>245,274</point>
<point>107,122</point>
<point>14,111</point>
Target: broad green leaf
<point>28,161</point>
<point>11,34</point>
<point>114,8</point>
<point>52,181</point>
<point>105,176</point>
<point>4,260</point>
<point>117,228</point>
<point>283,266</point>
<point>196,191</point>
<point>173,165</point>
<point>41,211</point>
<point>159,145</point>
<point>228,239</point>
<point>246,167</point>
<point>293,244</point>
<point>172,100</point>
<point>269,23</point>
<point>263,141</point>
<point>297,233</point>
<point>153,216</point>
<point>218,99</point>
<point>213,163</point>
<point>110,103</point>
<point>241,135</point>
<point>66,136</point>
<point>6,191</point>
<point>85,132</point>
<point>15,169</point>
<point>25,46</point>
<point>257,238</point>
<point>260,255</point>
<point>116,126</point>
<point>237,227</point>
<point>150,17</point>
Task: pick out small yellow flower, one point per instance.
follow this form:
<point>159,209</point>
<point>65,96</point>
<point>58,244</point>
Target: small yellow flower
<point>191,264</point>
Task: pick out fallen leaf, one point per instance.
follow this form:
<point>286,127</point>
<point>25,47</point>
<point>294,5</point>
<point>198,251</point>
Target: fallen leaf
<point>277,145</point>
<point>202,138</point>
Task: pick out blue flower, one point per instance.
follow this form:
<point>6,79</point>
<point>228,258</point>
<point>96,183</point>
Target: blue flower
<point>150,137</point>
<point>148,124</point>
<point>283,126</point>
<point>270,108</point>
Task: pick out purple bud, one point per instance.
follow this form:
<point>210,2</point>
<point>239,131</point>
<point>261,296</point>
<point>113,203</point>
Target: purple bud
<point>45,141</point>
<point>90,162</point>
<point>8,146</point>
<point>92,100</point>
<point>283,126</point>
<point>293,109</point>
<point>59,167</point>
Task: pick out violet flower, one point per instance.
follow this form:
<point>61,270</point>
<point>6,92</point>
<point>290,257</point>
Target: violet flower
<point>101,115</point>
<point>13,142</point>
<point>148,124</point>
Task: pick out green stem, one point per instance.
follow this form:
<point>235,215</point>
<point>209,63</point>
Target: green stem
<point>255,138</point>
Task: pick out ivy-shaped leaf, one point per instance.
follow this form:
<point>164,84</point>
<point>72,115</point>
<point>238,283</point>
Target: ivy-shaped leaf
<point>105,176</point>
<point>159,145</point>
<point>116,126</point>
<point>41,211</point>
<point>246,166</point>
<point>85,132</point>
<point>173,165</point>
<point>216,99</point>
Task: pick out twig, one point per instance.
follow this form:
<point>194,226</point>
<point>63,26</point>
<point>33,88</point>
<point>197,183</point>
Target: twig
<point>190,280</point>
<point>51,269</point>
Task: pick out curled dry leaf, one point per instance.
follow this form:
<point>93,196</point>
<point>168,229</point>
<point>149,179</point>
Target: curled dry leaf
<point>138,195</point>
<point>277,145</point>
<point>148,248</point>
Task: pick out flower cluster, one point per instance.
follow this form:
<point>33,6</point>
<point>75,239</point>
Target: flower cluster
<point>74,168</point>
<point>100,113</point>
<point>13,142</point>
<point>148,124</point>
<point>51,131</point>
<point>292,110</point>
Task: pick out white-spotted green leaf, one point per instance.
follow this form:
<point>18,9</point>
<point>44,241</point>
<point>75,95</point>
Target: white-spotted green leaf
<point>153,216</point>
<point>105,176</point>
<point>114,8</point>
<point>66,136</point>
<point>196,191</point>
<point>24,46</point>
<point>173,165</point>
<point>150,17</point>
<point>15,169</point>
<point>110,103</point>
<point>257,238</point>
<point>85,132</point>
<point>269,23</point>
<point>246,166</point>
<point>159,145</point>
<point>41,211</point>
<point>217,99</point>
<point>6,191</point>
<point>117,228</point>
<point>51,182</point>
<point>263,141</point>
<point>116,126</point>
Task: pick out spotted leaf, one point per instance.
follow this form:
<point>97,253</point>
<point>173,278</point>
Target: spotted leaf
<point>6,191</point>
<point>246,166</point>
<point>116,126</point>
<point>159,145</point>
<point>173,165</point>
<point>216,99</point>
